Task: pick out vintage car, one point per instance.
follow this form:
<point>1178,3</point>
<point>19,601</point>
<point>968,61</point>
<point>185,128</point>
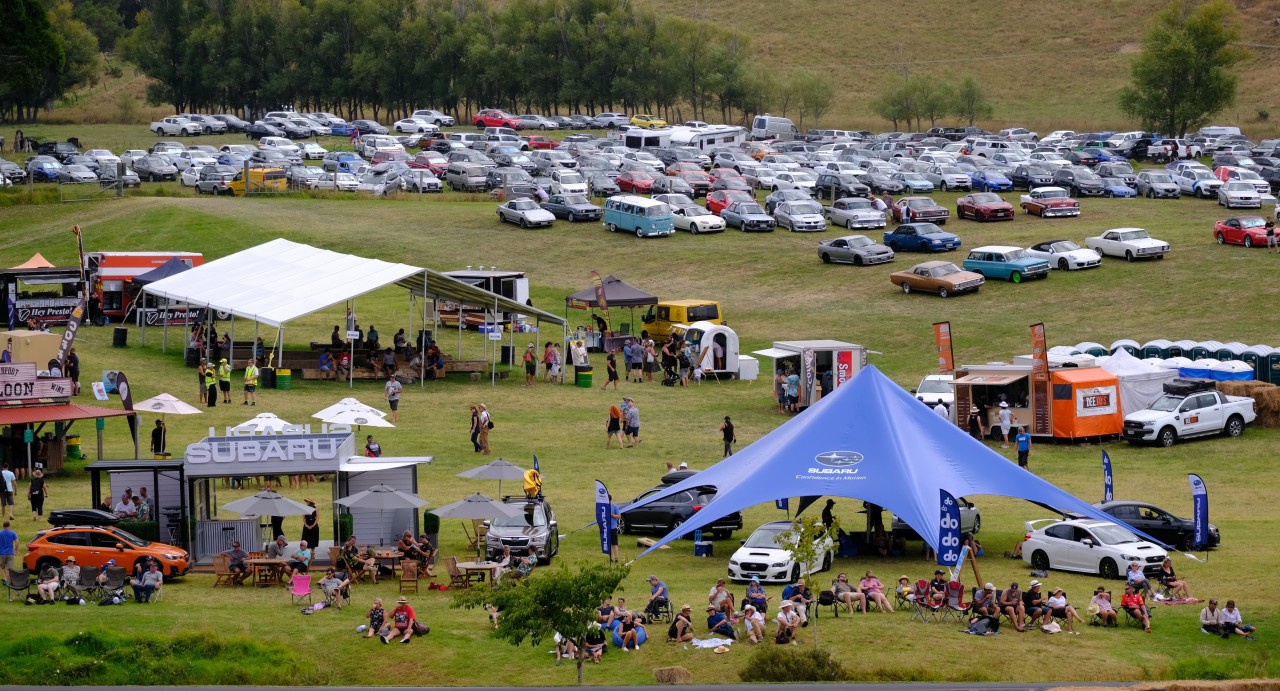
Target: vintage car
<point>921,237</point>
<point>1237,194</point>
<point>1130,243</point>
<point>1049,202</point>
<point>696,219</point>
<point>919,209</point>
<point>984,206</point>
<point>747,216</point>
<point>572,207</point>
<point>1250,231</point>
<point>1009,263</point>
<point>855,212</point>
<point>991,181</point>
<point>526,213</point>
<point>858,250</point>
<point>1065,255</point>
<point>944,278</point>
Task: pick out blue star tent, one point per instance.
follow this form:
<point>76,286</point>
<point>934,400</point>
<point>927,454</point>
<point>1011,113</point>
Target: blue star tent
<point>873,441</point>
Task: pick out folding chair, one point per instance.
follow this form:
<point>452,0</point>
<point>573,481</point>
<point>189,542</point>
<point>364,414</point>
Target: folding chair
<point>19,581</point>
<point>117,577</point>
<point>826,598</point>
<point>408,575</point>
<point>339,597</point>
<point>300,588</point>
<point>900,593</point>
<point>457,578</point>
<point>471,539</point>
<point>222,571</point>
<point>954,606</point>
<point>87,586</point>
<point>922,608</point>
<point>1004,614</point>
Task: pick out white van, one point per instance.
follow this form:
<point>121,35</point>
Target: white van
<point>773,127</point>
<point>1218,131</point>
<point>990,147</point>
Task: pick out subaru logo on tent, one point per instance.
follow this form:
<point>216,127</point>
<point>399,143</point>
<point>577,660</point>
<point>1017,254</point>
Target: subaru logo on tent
<point>839,459</point>
<point>362,421</point>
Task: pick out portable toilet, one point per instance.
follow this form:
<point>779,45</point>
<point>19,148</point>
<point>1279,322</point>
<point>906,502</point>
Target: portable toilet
<point>1181,348</point>
<point>1157,348</point>
<point>1236,370</point>
<point>1204,349</point>
<point>1231,351</point>
<point>1064,350</point>
<point>1266,366</point>
<point>1128,345</point>
<point>1175,363</point>
<point>1094,349</point>
<point>1252,355</point>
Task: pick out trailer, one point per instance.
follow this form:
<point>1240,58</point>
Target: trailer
<point>814,360</point>
<point>513,285</point>
<point>111,276</point>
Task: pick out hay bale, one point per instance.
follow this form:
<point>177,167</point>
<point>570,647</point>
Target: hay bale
<point>1266,399</point>
<point>672,675</point>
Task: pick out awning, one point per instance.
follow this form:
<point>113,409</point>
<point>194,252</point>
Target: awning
<point>364,464</point>
<point>51,413</point>
<point>439,286</point>
<point>776,353</point>
<point>991,379</point>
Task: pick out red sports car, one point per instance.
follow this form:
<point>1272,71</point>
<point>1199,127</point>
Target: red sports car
<point>1250,231</point>
<point>538,141</point>
<point>492,117</point>
<point>635,181</point>
<point>718,200</point>
<point>984,206</point>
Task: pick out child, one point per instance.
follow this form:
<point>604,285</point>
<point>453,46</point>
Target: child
<point>1024,446</point>
<point>376,617</point>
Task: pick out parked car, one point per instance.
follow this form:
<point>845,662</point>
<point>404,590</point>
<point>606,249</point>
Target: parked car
<point>1065,255</point>
<point>858,250</point>
<point>1049,202</point>
<point>492,117</point>
<point>601,185</point>
<point>636,181</point>
<point>155,168</point>
<point>1239,195</point>
<point>611,120</point>
<point>920,237</point>
<point>1009,263</point>
<point>573,207</point>
<point>944,278</point>
<point>233,123</point>
<point>761,557</point>
<point>533,530</point>
<point>12,172</point>
<point>991,181</point>
<point>111,176</point>
<point>364,127</point>
<point>970,515</point>
<point>649,122</point>
<point>1029,177</point>
<point>1088,546</point>
<point>526,213</point>
<point>984,206</point>
<point>801,216</point>
<point>918,210</point>
<point>1120,169</point>
<point>338,182</point>
<point>747,216</point>
<point>913,183</point>
<point>840,186</point>
<point>666,514</point>
<point>1154,183</point>
<point>434,117</point>
<point>1250,231</point>
<point>696,220</point>
<point>529,121</point>
<point>1082,183</point>
<point>1197,182</point>
<point>855,212</point>
<point>932,390</point>
<point>1188,409</point>
<point>420,180</point>
<point>1117,188</point>
<point>93,545</point>
<point>1130,243</point>
<point>1158,523</point>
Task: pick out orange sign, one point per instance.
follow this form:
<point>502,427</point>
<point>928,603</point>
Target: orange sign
<point>942,337</point>
<point>1039,351</point>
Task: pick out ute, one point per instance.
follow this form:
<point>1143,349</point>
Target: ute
<point>1189,408</point>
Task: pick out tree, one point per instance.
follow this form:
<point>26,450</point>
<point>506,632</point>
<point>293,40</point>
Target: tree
<point>971,102</point>
<point>552,601</point>
<point>1182,77</point>
<point>816,96</point>
<point>932,98</point>
<point>82,63</point>
<point>33,58</point>
<point>894,105</point>
<point>805,541</point>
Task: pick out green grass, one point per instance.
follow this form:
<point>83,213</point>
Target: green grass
<point>772,287</point>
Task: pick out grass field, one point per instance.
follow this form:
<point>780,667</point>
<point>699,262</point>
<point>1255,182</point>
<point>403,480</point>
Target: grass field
<point>772,287</point>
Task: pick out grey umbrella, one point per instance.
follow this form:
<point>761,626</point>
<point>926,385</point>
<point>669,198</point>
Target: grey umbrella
<point>268,503</point>
<point>382,498</point>
<point>495,470</point>
<point>477,506</point>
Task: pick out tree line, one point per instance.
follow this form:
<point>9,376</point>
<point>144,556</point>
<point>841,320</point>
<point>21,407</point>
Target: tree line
<point>921,97</point>
<point>47,50</point>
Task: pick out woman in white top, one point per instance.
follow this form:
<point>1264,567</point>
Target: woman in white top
<point>754,622</point>
<point>1057,603</point>
<point>1231,621</point>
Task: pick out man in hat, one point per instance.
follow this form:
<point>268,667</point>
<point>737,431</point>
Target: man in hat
<point>788,622</point>
<point>681,629</point>
<point>392,394</point>
<point>403,622</point>
<point>984,602</point>
<point>224,380</point>
<point>717,622</point>
<point>1006,421</point>
<point>1034,602</point>
<point>1100,607</point>
<point>938,587</point>
<point>250,382</point>
<point>530,366</point>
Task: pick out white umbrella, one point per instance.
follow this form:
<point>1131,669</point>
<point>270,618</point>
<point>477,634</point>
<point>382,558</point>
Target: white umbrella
<point>262,422</point>
<point>268,503</point>
<point>166,404</point>
<point>382,497</point>
<point>495,470</point>
<point>359,418</point>
<point>348,404</point>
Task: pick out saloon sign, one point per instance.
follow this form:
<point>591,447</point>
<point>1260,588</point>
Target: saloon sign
<point>20,384</point>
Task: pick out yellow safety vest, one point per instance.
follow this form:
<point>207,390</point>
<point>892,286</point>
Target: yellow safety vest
<point>224,372</point>
<point>250,375</point>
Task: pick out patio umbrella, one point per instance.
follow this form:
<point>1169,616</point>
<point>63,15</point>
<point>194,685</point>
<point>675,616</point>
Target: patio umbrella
<point>382,497</point>
<point>268,503</point>
<point>262,422</point>
<point>495,470</point>
<point>357,417</point>
<point>348,404</point>
<point>166,404</point>
<point>477,506</point>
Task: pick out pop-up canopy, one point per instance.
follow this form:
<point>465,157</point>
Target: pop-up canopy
<point>869,440</point>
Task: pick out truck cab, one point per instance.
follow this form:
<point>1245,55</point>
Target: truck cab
<point>662,316</point>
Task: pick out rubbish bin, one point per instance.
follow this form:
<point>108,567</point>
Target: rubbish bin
<point>508,356</point>
<point>284,379</point>
<point>193,356</point>
<point>163,456</point>
<point>73,448</point>
<point>268,378</point>
<point>584,377</point>
<point>120,337</point>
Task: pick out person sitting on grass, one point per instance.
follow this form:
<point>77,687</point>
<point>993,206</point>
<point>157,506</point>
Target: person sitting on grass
<point>606,612</point>
<point>717,622</point>
<point>788,623</point>
<point>681,629</point>
<point>593,642</point>
<point>754,622</point>
<point>403,622</point>
<point>377,616</point>
<point>629,631</point>
<point>1100,605</point>
<point>1232,622</point>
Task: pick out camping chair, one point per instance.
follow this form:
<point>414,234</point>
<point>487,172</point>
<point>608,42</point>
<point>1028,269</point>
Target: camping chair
<point>300,588</point>
<point>87,587</point>
<point>900,594</point>
<point>471,539</point>
<point>117,577</point>
<point>19,581</point>
<point>335,556</point>
<point>954,606</point>
<point>457,579</point>
<point>826,598</point>
<point>408,575</point>
<point>341,597</point>
<point>222,571</point>
<point>1095,619</point>
<point>921,608</point>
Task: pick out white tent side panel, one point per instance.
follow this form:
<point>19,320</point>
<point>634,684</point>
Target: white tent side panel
<point>370,525</point>
<point>1140,382</point>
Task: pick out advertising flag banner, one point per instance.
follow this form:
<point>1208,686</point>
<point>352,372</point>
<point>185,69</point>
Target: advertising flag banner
<point>942,337</point>
<point>948,530</point>
<point>780,504</point>
<point>1108,486</point>
<point>1199,510</point>
<point>604,304</point>
<point>604,516</point>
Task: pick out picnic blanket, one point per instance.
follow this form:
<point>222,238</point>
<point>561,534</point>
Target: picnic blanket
<point>710,643</point>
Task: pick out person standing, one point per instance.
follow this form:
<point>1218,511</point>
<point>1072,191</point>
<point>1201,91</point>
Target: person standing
<point>1023,440</point>
<point>475,429</point>
<point>976,429</point>
<point>250,383</point>
<point>632,414</point>
<point>613,428</point>
<point>611,367</point>
<point>1271,236</point>
<point>1006,421</point>
<point>486,424</point>
<point>158,438</point>
<point>780,390</point>
<point>626,358</point>
<point>530,366</point>
<point>553,372</point>
<point>201,385</point>
<point>726,432</point>
<point>793,391</point>
<point>311,525</point>
<point>8,539</point>
<point>392,393</point>
<point>546,361</point>
<point>8,486</point>
<point>650,360</point>
<point>73,371</point>
<point>211,385</point>
<point>37,491</point>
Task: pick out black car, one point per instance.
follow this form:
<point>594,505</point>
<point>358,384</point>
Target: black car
<point>1081,183</point>
<point>59,150</point>
<point>667,513</point>
<point>1030,177</point>
<point>290,130</point>
<point>13,171</point>
<point>1158,523</point>
<point>1135,149</point>
<point>833,186</point>
<point>110,177</point>
<point>602,186</point>
<point>61,517</point>
<point>233,123</point>
<point>1083,158</point>
<point>258,130</point>
<point>364,127</point>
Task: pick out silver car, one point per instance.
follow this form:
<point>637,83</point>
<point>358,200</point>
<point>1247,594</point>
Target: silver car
<point>858,250</point>
<point>801,217</point>
<point>855,212</point>
<point>1156,183</point>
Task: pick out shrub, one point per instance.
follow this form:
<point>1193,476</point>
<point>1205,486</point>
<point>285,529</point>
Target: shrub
<point>791,664</point>
<point>1263,114</point>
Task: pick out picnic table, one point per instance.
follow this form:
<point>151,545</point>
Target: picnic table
<point>489,568</point>
<point>392,558</point>
<point>267,571</point>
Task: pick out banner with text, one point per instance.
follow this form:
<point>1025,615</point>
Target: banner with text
<point>603,304</point>
<point>1108,485</point>
<point>942,338</point>
<point>1199,510</point>
<point>948,530</point>
<point>604,517</point>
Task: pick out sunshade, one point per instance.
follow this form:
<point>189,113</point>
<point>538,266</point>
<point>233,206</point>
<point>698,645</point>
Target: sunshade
<point>268,503</point>
<point>383,498</point>
<point>358,417</point>
<point>495,470</point>
<point>477,506</point>
<point>348,404</point>
<point>166,404</point>
<point>262,422</point>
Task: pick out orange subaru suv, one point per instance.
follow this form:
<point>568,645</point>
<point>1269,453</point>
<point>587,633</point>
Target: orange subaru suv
<point>94,546</point>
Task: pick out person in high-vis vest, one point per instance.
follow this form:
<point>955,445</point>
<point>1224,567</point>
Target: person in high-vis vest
<point>224,380</point>
<point>211,385</point>
<point>250,383</point>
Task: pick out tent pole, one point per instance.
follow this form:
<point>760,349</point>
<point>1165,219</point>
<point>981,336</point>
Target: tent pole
<point>231,352</point>
<point>253,347</point>
<point>410,318</point>
<point>459,356</point>
<point>164,339</point>
<point>564,346</point>
<point>422,381</point>
<point>142,339</point>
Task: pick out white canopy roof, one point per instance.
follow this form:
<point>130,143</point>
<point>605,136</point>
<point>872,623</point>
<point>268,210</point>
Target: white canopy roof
<point>282,280</point>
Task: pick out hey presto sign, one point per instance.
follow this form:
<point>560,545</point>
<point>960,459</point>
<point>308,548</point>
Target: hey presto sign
<point>268,454</point>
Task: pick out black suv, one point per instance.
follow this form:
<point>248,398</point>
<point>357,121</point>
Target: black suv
<point>531,531</point>
<point>59,150</point>
<point>666,514</point>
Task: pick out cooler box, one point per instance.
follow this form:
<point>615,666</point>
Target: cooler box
<point>704,549</point>
<point>284,379</point>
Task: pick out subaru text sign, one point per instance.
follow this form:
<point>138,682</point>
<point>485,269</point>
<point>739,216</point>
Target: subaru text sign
<point>834,465</point>
<point>268,454</point>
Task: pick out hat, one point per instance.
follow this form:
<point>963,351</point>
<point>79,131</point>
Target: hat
<point>989,586</point>
<point>223,360</point>
<point>785,604</point>
<point>683,466</point>
<point>111,562</point>
<point>749,607</point>
<point>684,607</point>
<point>938,571</point>
<point>1057,590</point>
<point>1093,609</point>
<point>1213,601</point>
<point>1003,404</point>
<point>1035,583</point>
<point>720,650</point>
<point>710,608</point>
<point>904,577</point>
<point>71,559</point>
<point>755,579</point>
<point>309,501</point>
<point>651,578</point>
<point>530,345</point>
<point>402,601</point>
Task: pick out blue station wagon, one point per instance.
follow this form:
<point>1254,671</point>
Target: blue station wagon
<point>1008,263</point>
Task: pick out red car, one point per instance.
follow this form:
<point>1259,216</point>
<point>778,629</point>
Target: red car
<point>538,141</point>
<point>718,200</point>
<point>918,210</point>
<point>984,206</point>
<point>635,181</point>
<point>1250,231</point>
<point>385,156</point>
<point>430,160</point>
<point>683,166</point>
<point>698,180</point>
<point>717,173</point>
<point>492,117</point>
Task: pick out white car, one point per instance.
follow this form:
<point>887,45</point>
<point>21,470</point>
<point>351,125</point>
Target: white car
<point>1065,255</point>
<point>565,181</point>
<point>855,212</point>
<point>804,216</point>
<point>935,389</point>
<point>279,144</point>
<point>190,176</point>
<point>311,151</point>
<point>695,219</point>
<point>780,161</point>
<point>1239,195</point>
<point>434,117</point>
<point>341,182</point>
<point>414,126</point>
<point>1088,546</point>
<point>1049,159</point>
<point>193,159</point>
<point>1196,181</point>
<point>131,155</point>
<point>1130,243</point>
<point>760,556</point>
<point>103,157</point>
<point>795,180</point>
<point>420,180</point>
<point>526,213</point>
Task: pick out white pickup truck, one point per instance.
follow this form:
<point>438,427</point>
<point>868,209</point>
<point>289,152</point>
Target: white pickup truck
<point>1189,408</point>
<point>175,126</point>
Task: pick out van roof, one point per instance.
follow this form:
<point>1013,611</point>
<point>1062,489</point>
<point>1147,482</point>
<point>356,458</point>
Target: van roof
<point>643,202</point>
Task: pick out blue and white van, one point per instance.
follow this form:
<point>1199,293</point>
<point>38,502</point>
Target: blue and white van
<point>644,217</point>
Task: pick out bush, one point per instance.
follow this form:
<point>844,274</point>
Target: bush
<point>1264,114</point>
<point>791,664</point>
<point>346,524</point>
<point>430,523</point>
<point>147,530</point>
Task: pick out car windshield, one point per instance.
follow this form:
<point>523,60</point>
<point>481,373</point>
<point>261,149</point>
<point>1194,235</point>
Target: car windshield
<point>1014,255</point>
<point>523,205</point>
<point>1053,194</point>
<point>764,538</point>
<point>920,203</point>
<point>858,205</point>
<point>935,385</point>
<point>749,209</point>
<point>1064,246</point>
<point>1113,182</point>
<point>525,519</point>
<point>802,177</point>
<point>987,199</point>
<point>1112,534</point>
<point>1166,404</point>
<point>913,177</point>
<point>944,270</point>
<point>952,170</point>
<point>1157,177</point>
<point>1253,222</point>
<point>570,179</point>
<point>804,208</point>
<point>695,211</point>
<point>1134,235</point>
<point>638,175</point>
<point>1082,176</point>
<point>927,228</point>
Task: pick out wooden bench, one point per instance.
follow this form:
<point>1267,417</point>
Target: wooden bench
<point>358,373</point>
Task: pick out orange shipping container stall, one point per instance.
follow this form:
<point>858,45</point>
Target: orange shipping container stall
<point>1086,403</point>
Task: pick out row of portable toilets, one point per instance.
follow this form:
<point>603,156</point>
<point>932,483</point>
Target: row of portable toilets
<point>1203,359</point>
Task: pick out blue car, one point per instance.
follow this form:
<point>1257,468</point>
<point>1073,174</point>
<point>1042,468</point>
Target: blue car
<point>991,181</point>
<point>921,237</point>
<point>343,130</point>
<point>43,168</point>
<point>1115,187</point>
<point>231,159</point>
<point>1007,263</point>
<point>1103,155</point>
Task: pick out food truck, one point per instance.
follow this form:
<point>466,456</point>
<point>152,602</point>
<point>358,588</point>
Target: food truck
<point>513,285</point>
<point>812,359</point>
<point>1074,403</point>
<point>112,274</point>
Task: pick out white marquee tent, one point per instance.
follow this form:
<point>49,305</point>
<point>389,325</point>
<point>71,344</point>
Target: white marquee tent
<point>1140,381</point>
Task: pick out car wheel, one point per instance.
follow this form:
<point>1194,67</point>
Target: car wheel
<point>676,523</point>
<point>1167,437</point>
<point>1015,277</point>
<point>1234,428</point>
<point>46,562</point>
<point>944,293</point>
<point>639,233</point>
<point>1039,560</point>
<point>826,561</point>
<point>857,260</point>
<point>795,573</point>
<point>624,526</point>
<point>1064,265</point>
<point>906,288</point>
<point>612,228</point>
<point>1222,241</point>
<point>524,223</point>
<point>1248,241</point>
<point>1108,570</point>
<point>1128,256</point>
<point>977,524</point>
<point>826,258</point>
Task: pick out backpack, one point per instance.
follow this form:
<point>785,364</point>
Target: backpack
<point>826,597</point>
<point>783,637</point>
<point>490,421</point>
